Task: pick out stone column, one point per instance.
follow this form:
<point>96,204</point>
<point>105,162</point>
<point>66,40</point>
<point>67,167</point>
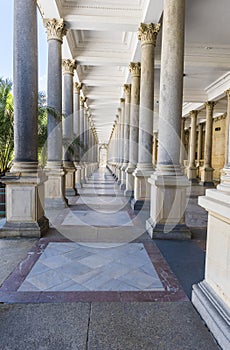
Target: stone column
<point>127,90</point>
<point>25,183</point>
<point>76,128</point>
<point>147,33</point>
<point>168,183</point>
<point>199,143</point>
<point>155,134</point>
<point>119,141</point>
<point>86,141</point>
<point>135,69</point>
<point>82,136</point>
<point>68,137</point>
<point>182,144</point>
<point>192,170</point>
<point>211,297</point>
<point>122,143</point>
<point>55,186</point>
<point>207,170</point>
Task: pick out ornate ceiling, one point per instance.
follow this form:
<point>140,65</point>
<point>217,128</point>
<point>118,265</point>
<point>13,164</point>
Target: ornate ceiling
<point>102,37</point>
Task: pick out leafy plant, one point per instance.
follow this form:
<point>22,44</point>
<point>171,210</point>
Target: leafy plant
<point>6,125</point>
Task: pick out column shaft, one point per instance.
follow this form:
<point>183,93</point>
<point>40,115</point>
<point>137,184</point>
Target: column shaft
<point>192,171</point>
<point>168,184</point>
<point>25,85</point>
<point>171,86</point>
<point>207,170</point>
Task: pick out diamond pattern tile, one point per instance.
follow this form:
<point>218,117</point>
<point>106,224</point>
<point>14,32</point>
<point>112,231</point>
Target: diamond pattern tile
<point>93,267</point>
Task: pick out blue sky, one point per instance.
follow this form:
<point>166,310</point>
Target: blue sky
<point>6,41</point>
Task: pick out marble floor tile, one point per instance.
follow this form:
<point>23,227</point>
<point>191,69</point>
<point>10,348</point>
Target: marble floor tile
<point>94,267</point>
<point>93,218</point>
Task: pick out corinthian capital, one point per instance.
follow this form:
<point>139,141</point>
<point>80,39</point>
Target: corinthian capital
<point>127,89</point>
<point>77,87</point>
<point>55,29</point>
<point>83,100</point>
<point>68,66</point>
<point>210,105</point>
<point>147,33</point>
<point>135,69</point>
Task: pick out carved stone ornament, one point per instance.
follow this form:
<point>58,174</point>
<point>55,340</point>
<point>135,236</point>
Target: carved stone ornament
<point>147,33</point>
<point>68,66</point>
<point>135,69</point>
<point>210,105</point>
<point>193,113</point>
<point>127,89</point>
<point>77,87</point>
<point>55,29</point>
<point>122,100</point>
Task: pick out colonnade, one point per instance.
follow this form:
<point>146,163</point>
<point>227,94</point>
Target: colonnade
<point>72,143</point>
<point>148,167</point>
<point>162,162</point>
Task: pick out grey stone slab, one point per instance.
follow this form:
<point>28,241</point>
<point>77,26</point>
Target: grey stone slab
<point>142,280</point>
<point>186,260</point>
<point>147,326</point>
<point>12,251</point>
<point>46,280</point>
<point>93,218</point>
<point>44,326</point>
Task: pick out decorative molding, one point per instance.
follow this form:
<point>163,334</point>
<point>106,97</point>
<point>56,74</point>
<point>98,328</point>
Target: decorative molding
<point>55,29</point>
<point>147,33</point>
<point>135,69</point>
<point>221,117</point>
<point>217,89</point>
<point>68,66</point>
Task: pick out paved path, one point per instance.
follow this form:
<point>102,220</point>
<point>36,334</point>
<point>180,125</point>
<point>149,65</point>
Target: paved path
<point>97,281</point>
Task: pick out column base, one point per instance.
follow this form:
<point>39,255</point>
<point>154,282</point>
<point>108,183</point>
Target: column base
<point>70,189</point>
<point>213,311</point>
<point>55,189</point>
<point>25,205</point>
<point>129,193</point>
<point>167,208</point>
<point>192,174</point>
<point>162,231</point>
<point>140,204</point>
<point>123,187</point>
<point>206,176</point>
<point>77,175</point>
<point>141,184</point>
<point>29,230</point>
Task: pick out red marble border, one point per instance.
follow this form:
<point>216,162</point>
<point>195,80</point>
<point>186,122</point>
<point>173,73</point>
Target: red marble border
<point>173,290</point>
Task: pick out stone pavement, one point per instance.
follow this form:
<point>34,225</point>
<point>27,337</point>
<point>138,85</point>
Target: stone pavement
<point>97,280</point>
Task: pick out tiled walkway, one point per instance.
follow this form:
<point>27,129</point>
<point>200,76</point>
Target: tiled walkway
<point>97,281</point>
<point>97,247</point>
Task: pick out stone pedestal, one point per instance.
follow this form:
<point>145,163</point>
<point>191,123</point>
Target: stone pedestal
<point>70,189</point>
<point>167,209</point>
<point>141,187</point>
<point>206,176</point>
<point>55,187</point>
<point>77,175</point>
<point>212,296</point>
<point>129,191</point>
<point>25,205</point>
